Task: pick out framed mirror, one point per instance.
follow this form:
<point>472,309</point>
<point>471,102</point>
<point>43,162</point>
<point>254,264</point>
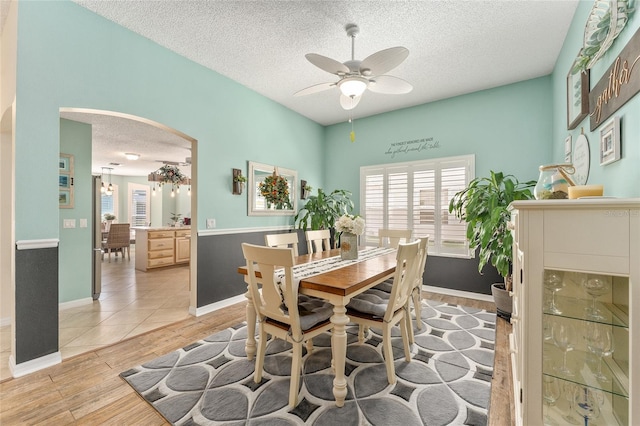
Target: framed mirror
<point>272,190</point>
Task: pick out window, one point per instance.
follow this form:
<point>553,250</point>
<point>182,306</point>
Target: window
<point>138,204</point>
<point>109,203</point>
<point>415,195</point>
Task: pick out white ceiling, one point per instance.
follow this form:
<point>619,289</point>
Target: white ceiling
<point>456,47</point>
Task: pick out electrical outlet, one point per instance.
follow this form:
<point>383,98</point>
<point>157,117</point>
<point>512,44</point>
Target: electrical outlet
<point>211,223</point>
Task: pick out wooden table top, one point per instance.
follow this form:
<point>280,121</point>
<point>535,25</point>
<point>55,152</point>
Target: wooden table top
<point>345,280</point>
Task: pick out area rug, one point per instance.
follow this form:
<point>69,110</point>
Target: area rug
<point>447,382</point>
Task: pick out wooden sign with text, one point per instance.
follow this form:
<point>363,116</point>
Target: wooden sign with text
<point>619,83</point>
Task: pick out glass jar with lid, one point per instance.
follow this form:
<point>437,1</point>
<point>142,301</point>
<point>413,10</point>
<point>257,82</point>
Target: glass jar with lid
<point>554,181</point>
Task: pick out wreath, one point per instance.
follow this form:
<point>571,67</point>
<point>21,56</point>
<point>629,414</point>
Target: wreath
<point>171,174</point>
<point>275,190</point>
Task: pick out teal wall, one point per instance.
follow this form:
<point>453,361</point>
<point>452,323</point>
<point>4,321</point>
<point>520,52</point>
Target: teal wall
<point>507,128</point>
<point>75,243</point>
<point>70,57</point>
<point>620,179</point>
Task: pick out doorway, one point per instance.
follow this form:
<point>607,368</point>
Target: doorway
<point>131,301</point>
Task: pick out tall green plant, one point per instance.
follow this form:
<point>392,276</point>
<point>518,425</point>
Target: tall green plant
<point>321,211</point>
<point>483,204</point>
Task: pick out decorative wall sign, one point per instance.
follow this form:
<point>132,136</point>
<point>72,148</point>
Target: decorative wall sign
<point>610,141</point>
<point>581,160</point>
<point>414,146</point>
<point>620,83</point>
<point>567,149</point>
<point>577,97</point>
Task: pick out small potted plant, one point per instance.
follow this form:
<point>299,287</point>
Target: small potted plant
<point>321,211</point>
<point>238,184</point>
<point>108,220</point>
<point>175,218</point>
<point>483,204</point>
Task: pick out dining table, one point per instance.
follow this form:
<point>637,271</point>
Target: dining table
<point>337,286</point>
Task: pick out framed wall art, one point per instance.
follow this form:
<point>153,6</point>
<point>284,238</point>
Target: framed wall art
<point>610,141</point>
<point>65,181</point>
<point>577,97</point>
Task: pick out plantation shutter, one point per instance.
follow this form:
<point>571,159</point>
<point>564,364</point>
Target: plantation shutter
<point>416,195</point>
<point>139,208</point>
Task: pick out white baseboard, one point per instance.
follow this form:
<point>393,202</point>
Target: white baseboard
<point>5,321</point>
<point>217,305</point>
<point>458,293</point>
<point>28,367</point>
<point>75,303</point>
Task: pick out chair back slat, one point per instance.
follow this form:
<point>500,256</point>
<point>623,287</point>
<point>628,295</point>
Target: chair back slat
<point>393,237</point>
<point>318,241</point>
<point>282,241</point>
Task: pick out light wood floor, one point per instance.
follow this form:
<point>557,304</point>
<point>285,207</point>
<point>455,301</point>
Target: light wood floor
<point>86,389</point>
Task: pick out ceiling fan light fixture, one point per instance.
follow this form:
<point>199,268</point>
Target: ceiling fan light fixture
<point>353,86</point>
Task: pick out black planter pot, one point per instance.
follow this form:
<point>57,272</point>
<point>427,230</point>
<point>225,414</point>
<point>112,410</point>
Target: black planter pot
<point>502,299</point>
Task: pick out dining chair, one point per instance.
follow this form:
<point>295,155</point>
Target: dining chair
<point>281,311</point>
<point>392,237</point>
<point>416,293</point>
<point>118,239</point>
<point>318,240</point>
<point>282,241</point>
<point>369,310</point>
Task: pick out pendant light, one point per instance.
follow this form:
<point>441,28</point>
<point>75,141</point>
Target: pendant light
<point>103,188</point>
<point>109,190</point>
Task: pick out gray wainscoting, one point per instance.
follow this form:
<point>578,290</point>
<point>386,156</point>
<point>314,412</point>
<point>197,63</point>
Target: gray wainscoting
<point>36,314</point>
<point>220,255</point>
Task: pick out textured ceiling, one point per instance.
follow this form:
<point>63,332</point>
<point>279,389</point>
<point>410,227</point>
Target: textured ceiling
<point>456,47</point>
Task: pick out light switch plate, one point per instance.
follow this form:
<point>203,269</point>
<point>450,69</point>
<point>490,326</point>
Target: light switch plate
<point>83,223</point>
<point>69,223</point>
<point>211,223</point>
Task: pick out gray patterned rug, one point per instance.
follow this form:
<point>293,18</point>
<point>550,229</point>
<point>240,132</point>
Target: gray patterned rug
<point>448,381</point>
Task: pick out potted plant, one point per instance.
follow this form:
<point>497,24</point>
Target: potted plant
<point>238,184</point>
<point>175,218</point>
<point>108,219</point>
<point>483,204</point>
<point>322,210</point>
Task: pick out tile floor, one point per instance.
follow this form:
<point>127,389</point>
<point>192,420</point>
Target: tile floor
<point>131,303</point>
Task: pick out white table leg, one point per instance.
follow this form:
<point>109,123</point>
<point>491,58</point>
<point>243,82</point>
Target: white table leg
<point>339,347</point>
<point>250,347</point>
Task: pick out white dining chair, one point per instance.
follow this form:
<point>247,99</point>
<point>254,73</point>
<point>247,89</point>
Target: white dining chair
<point>281,311</point>
<point>393,237</point>
<point>370,310</point>
<point>318,240</point>
<point>283,241</point>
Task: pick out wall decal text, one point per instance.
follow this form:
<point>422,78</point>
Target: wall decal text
<point>411,147</point>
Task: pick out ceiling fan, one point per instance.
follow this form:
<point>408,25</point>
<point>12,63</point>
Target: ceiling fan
<point>356,76</point>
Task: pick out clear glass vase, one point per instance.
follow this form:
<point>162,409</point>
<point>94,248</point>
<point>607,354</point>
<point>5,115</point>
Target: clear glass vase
<point>554,181</point>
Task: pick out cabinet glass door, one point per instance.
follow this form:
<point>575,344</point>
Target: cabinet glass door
<point>586,348</point>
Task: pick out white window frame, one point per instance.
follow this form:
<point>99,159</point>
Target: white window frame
<point>436,246</point>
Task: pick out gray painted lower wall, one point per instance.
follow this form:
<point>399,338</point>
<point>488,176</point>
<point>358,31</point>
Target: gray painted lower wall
<point>220,255</point>
<point>36,307</point>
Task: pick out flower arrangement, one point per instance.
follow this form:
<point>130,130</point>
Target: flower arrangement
<point>275,190</point>
<point>171,174</point>
<point>352,224</point>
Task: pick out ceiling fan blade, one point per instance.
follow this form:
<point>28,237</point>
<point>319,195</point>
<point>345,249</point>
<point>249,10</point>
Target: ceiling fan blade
<point>314,89</point>
<point>349,103</point>
<point>327,64</point>
<point>389,85</point>
<point>383,61</point>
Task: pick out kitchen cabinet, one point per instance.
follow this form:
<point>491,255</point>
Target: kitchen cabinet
<point>159,247</point>
<point>576,311</point>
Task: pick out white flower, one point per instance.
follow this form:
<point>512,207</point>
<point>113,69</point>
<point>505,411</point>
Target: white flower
<point>350,224</point>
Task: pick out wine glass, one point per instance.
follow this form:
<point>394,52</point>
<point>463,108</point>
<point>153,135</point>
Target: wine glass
<point>568,389</point>
<point>586,403</point>
<point>553,281</point>
<point>600,343</point>
<point>550,394</point>
<point>563,334</point>
<point>595,286</point>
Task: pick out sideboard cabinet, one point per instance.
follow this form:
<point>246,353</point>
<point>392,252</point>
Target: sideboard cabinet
<point>575,342</point>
